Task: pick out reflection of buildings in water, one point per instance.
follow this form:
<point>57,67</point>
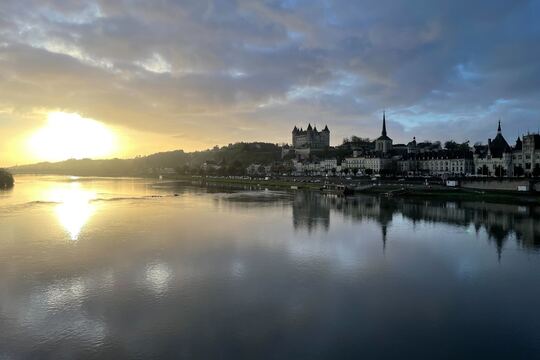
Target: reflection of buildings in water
<point>310,211</point>
<point>361,208</point>
<point>501,222</point>
<point>384,236</point>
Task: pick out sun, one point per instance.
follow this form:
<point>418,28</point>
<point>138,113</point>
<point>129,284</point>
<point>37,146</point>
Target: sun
<point>70,136</point>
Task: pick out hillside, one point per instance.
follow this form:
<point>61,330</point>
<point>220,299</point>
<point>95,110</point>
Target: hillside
<point>234,156</point>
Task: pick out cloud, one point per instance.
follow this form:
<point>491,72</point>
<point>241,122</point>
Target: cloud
<point>224,70</point>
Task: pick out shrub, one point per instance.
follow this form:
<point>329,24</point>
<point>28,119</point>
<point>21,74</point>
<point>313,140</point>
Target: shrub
<point>6,179</point>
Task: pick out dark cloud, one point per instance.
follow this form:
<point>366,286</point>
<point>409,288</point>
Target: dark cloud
<point>251,69</point>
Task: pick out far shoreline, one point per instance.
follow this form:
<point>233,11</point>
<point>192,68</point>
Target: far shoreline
<point>383,188</point>
<point>386,188</point>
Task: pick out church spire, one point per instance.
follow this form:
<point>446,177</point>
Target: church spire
<point>384,232</point>
<point>384,123</point>
<point>499,128</point>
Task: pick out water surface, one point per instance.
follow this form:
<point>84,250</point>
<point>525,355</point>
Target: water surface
<point>129,268</point>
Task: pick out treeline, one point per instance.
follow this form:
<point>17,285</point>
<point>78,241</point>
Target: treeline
<point>232,156</point>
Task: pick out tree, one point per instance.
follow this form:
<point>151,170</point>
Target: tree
<point>464,146</point>
<point>278,168</point>
<point>536,171</point>
<point>6,179</point>
<point>185,169</point>
<point>451,145</point>
<point>236,168</point>
<point>454,146</point>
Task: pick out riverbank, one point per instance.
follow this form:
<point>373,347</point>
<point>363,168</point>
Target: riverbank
<point>271,183</point>
<point>379,188</point>
<point>440,192</point>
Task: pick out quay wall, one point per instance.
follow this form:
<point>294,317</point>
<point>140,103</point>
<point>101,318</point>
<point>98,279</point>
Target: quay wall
<point>497,184</point>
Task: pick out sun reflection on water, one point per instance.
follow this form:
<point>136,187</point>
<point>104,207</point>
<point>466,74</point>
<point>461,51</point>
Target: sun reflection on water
<point>74,207</point>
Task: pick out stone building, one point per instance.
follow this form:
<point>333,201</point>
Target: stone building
<point>495,158</point>
<point>526,155</point>
<point>373,163</point>
<point>438,163</point>
<point>306,142</point>
<point>310,138</point>
<point>453,163</point>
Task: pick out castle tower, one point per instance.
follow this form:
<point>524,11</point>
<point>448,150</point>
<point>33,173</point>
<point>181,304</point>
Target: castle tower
<point>311,138</point>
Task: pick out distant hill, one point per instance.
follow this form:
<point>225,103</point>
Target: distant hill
<point>237,156</point>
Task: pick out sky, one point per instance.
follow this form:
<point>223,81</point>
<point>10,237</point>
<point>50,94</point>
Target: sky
<point>168,74</point>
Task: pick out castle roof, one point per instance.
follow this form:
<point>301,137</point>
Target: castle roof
<point>498,146</point>
<point>300,131</point>
<point>519,144</point>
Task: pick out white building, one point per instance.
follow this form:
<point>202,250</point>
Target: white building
<point>363,163</point>
<point>446,163</point>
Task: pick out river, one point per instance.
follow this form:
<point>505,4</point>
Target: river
<point>134,268</point>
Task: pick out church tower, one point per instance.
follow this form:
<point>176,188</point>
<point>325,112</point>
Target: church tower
<point>383,144</point>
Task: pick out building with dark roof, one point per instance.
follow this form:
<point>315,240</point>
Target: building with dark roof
<point>438,162</point>
<point>383,143</point>
<point>495,159</point>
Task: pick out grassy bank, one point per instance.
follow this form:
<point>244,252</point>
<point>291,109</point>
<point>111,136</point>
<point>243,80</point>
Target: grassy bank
<point>394,190</point>
<point>495,196</point>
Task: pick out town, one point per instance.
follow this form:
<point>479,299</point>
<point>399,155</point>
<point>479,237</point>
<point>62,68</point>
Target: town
<point>310,154</point>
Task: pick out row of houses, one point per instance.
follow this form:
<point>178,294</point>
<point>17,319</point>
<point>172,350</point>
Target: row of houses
<point>497,158</point>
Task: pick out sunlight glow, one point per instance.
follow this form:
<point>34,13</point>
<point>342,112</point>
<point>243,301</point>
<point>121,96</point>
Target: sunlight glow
<point>74,208</point>
<point>70,136</point>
